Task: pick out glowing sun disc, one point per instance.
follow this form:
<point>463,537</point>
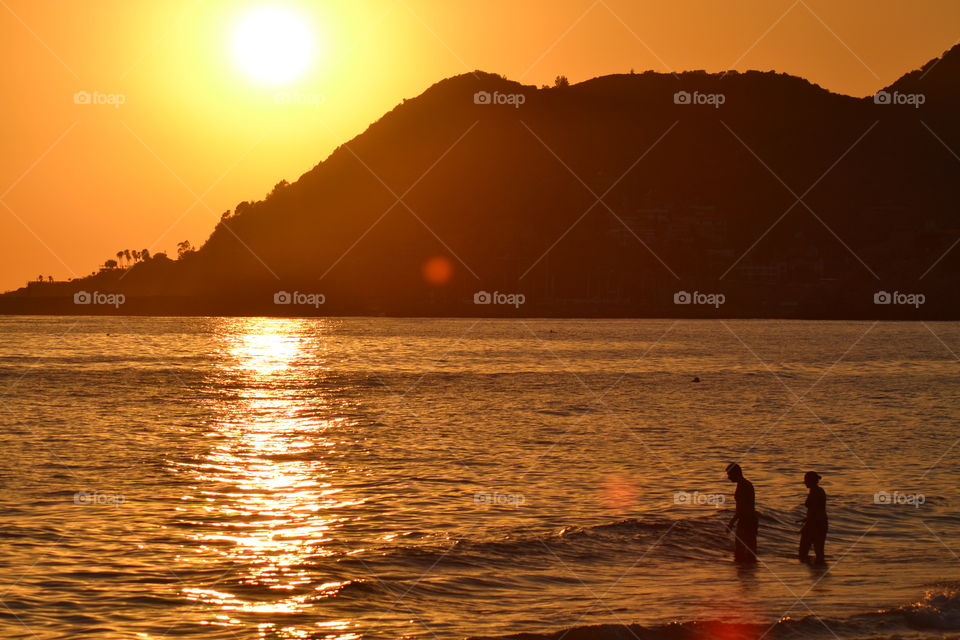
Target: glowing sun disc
<point>273,45</point>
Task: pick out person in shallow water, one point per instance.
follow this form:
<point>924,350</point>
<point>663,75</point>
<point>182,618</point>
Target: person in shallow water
<point>814,530</point>
<point>745,518</point>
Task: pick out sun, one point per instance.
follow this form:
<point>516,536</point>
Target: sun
<point>273,45</point>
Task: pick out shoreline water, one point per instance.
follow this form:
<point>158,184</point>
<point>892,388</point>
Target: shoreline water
<point>319,478</point>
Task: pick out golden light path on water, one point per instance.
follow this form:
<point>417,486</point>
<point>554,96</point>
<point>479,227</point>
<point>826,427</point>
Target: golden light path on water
<point>265,485</point>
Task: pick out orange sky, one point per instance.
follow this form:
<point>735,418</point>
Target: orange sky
<point>196,134</point>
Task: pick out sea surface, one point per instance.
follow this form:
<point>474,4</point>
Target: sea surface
<point>419,478</point>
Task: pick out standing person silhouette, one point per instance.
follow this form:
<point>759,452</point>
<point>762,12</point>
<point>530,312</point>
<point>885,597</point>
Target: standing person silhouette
<point>814,530</point>
<point>745,518</point>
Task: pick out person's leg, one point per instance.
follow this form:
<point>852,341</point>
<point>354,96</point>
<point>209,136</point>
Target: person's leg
<point>805,542</point>
<point>747,541</point>
<point>741,552</point>
<point>738,547</point>
<point>819,543</point>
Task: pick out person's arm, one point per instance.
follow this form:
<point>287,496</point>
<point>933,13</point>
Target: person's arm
<point>736,508</point>
<point>803,520</point>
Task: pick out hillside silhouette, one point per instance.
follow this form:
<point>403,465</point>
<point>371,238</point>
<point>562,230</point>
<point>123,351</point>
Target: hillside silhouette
<point>699,175</point>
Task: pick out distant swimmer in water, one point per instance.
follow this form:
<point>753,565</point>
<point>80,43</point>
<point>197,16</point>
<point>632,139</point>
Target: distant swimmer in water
<point>745,518</point>
<point>696,379</point>
<point>814,530</point>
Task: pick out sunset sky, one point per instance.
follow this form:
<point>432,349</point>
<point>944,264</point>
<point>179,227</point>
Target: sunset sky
<point>194,123</point>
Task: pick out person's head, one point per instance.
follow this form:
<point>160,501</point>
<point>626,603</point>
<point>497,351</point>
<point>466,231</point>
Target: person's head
<point>734,472</point>
<point>811,479</point>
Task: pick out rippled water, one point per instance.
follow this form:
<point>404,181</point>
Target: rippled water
<point>381,478</point>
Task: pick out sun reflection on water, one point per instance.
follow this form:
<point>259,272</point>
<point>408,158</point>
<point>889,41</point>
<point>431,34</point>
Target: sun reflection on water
<point>266,485</point>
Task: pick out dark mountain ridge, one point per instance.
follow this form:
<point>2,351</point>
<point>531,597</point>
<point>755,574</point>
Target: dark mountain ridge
<point>785,198</point>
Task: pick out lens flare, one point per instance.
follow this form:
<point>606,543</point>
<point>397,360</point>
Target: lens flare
<point>438,271</point>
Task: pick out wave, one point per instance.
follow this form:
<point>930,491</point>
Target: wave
<point>663,538</point>
<point>701,538</point>
<point>934,615</point>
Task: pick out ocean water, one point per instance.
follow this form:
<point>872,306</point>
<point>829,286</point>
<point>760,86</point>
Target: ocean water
<point>391,478</point>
